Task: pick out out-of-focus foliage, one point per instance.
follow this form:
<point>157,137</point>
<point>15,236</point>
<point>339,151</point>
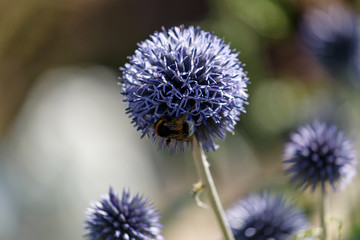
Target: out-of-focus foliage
<point>267,17</point>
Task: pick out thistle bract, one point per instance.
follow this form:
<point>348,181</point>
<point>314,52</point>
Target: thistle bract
<point>185,72</point>
<point>125,218</point>
<point>260,217</point>
<point>319,154</point>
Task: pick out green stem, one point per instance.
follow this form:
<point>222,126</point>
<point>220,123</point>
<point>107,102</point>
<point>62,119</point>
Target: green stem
<point>203,169</point>
<point>322,215</point>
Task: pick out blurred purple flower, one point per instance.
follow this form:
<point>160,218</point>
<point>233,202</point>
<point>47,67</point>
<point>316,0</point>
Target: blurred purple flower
<point>332,33</point>
<point>128,218</point>
<point>185,72</point>
<point>319,154</point>
<point>260,217</point>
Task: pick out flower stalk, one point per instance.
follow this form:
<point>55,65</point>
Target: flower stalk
<point>322,206</point>
<point>203,169</point>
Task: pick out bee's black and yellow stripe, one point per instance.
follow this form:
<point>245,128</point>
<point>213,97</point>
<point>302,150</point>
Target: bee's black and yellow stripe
<point>176,128</point>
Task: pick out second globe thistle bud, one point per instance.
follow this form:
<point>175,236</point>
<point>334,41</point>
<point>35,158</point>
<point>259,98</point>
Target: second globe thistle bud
<point>319,154</point>
<point>125,218</point>
<point>265,216</point>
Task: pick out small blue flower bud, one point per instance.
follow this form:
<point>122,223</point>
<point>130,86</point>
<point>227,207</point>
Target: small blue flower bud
<point>128,218</point>
<point>319,154</point>
<point>265,216</point>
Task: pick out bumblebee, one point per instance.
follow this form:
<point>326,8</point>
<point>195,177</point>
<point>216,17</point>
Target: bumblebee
<point>174,128</point>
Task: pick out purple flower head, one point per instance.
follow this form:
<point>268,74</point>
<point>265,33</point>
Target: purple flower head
<point>125,218</point>
<point>332,33</point>
<point>260,217</point>
<point>189,74</point>
<point>319,154</point>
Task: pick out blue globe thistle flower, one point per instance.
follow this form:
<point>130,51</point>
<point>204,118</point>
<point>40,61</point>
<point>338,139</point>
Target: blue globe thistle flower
<point>319,154</point>
<point>125,218</point>
<point>260,217</point>
<point>332,33</point>
<point>188,75</point>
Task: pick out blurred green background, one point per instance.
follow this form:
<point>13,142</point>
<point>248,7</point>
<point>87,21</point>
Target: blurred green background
<point>65,137</point>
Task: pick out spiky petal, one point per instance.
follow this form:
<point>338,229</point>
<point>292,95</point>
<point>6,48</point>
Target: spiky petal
<point>125,218</point>
<point>185,71</point>
<point>319,154</point>
<point>265,216</point>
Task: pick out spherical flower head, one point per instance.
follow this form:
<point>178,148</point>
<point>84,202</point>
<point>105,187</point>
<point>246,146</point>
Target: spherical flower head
<point>332,33</point>
<point>319,154</point>
<point>265,216</point>
<point>125,218</point>
<point>187,75</point>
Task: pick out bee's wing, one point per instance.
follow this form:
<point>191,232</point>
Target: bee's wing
<point>176,124</point>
